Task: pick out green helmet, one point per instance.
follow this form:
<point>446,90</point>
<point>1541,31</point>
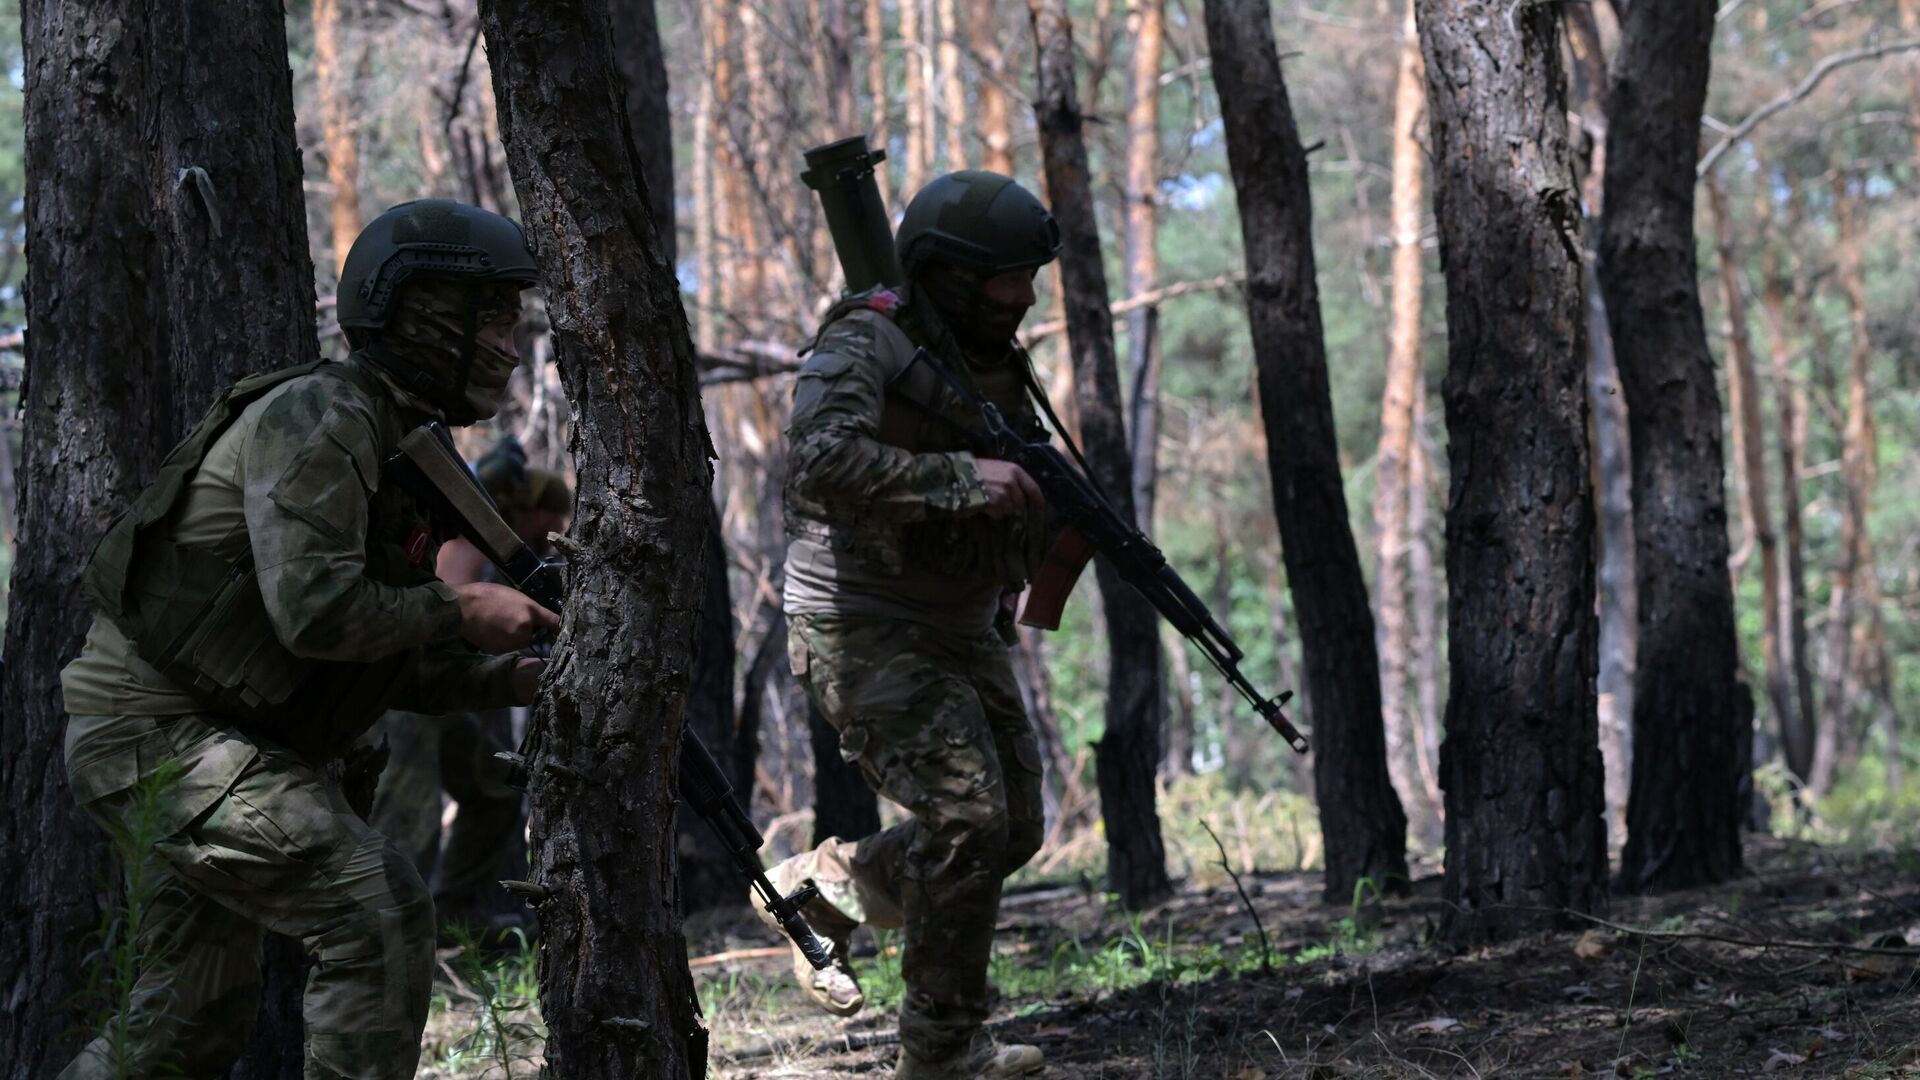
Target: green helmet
<point>978,221</point>
<point>428,238</point>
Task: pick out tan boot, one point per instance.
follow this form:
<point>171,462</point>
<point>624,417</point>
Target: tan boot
<point>835,988</point>
<point>985,1060</point>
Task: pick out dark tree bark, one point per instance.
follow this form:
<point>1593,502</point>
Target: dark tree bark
<point>1129,753</point>
<point>643,71</point>
<point>615,991</point>
<point>1520,766</point>
<point>96,405</point>
<point>1365,829</point>
<point>708,878</point>
<point>1692,717</point>
<point>123,240</point>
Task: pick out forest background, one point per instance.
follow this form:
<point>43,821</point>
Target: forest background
<point>1812,242</point>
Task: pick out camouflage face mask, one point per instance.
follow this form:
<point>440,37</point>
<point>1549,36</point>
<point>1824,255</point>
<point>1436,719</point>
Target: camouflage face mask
<point>429,331</point>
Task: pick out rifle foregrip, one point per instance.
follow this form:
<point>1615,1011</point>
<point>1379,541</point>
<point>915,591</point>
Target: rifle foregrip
<point>1053,582</point>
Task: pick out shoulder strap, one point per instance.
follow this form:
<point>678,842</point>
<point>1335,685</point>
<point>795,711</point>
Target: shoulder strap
<point>104,583</point>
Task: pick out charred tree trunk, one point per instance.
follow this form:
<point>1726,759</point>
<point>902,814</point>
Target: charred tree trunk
<point>1128,754</point>
<point>1692,715</point>
<point>643,71</point>
<point>1392,465</point>
<point>1146,27</point>
<point>1798,741</point>
<point>133,207</point>
<point>609,710</point>
<point>337,129</point>
<point>98,418</point>
<point>1360,815</point>
<point>1521,766</point>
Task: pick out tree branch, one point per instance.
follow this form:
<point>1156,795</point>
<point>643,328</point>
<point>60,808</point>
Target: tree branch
<point>1807,86</point>
<point>1145,299</point>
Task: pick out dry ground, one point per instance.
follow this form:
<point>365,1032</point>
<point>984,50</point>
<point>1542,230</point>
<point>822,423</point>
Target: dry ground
<point>1819,979</point>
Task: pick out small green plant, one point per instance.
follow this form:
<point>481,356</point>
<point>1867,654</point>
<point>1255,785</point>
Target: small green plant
<point>505,990</point>
<point>126,947</point>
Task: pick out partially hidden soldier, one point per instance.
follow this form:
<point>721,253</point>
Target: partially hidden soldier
<point>905,551</point>
<point>486,840</point>
<point>261,604</point>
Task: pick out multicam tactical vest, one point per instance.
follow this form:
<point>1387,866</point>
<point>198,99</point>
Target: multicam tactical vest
<point>930,408</point>
<point>198,616</point>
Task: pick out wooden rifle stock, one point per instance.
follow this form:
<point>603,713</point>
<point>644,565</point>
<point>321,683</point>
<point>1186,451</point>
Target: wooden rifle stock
<point>1053,583</point>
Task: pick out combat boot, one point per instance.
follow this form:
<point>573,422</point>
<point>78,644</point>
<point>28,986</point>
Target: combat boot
<point>984,1060</point>
<point>835,988</point>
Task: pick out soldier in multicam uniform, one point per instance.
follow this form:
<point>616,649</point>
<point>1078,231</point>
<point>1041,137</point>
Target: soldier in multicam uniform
<point>259,605</point>
<point>905,551</point>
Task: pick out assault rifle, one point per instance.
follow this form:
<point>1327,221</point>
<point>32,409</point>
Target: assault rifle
<point>430,469</point>
<point>1094,526</point>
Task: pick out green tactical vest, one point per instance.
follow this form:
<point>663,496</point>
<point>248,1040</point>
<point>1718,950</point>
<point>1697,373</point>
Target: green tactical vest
<point>199,618</point>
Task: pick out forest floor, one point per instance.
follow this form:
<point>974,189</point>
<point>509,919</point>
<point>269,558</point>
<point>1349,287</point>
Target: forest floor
<point>1806,966</point>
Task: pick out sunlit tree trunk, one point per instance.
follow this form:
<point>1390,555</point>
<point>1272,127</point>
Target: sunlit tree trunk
<point>953,90</point>
<point>608,711</point>
<point>879,93</point>
<point>337,127</point>
<point>1129,752</point>
<point>706,196</point>
<point>1910,28</point>
<point>1521,765</point>
<point>996,106</point>
<point>1426,607</point>
<point>1360,815</point>
<point>1146,30</point>
<point>917,91</point>
<point>1390,494</point>
<point>1743,390</point>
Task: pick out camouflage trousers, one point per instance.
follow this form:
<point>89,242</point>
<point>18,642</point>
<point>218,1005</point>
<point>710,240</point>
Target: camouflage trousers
<point>486,841</point>
<point>934,721</point>
<point>275,849</point>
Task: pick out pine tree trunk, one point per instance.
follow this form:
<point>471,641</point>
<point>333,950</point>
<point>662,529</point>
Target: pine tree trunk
<point>1910,28</point>
<point>337,129</point>
<point>1360,815</point>
<point>1146,28</point>
<point>643,72</point>
<point>1426,609</point>
<point>996,107</point>
<point>1128,754</point>
<point>608,710</point>
<point>1743,390</point>
<point>1521,766</point>
<point>1390,493</point>
<point>706,193</point>
<point>132,205</point>
<point>918,96</point>
<point>879,91</point>
<point>97,419</point>
<point>1693,717</point>
<point>953,91</point>
<point>1797,741</point>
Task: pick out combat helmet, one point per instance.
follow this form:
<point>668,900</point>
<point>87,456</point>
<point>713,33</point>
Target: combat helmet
<point>978,221</point>
<point>432,240</point>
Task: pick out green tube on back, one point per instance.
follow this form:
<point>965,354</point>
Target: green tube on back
<point>842,174</point>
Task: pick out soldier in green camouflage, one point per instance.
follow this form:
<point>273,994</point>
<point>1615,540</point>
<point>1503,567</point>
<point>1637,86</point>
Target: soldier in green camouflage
<point>486,840</point>
<point>260,604</point>
<point>905,551</point>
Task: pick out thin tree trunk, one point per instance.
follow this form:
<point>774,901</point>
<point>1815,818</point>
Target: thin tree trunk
<point>1798,739</point>
<point>337,128</point>
<point>953,90</point>
<point>706,196</point>
<point>1910,28</point>
<point>1521,765</point>
<point>1360,815</point>
<point>607,710</point>
<point>1403,385</point>
<point>1146,29</point>
<point>643,73</point>
<point>879,91</point>
<point>1127,755</point>
<point>1426,610</point>
<point>1756,513</point>
<point>918,95</point>
<point>1693,716</point>
<point>996,106</point>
